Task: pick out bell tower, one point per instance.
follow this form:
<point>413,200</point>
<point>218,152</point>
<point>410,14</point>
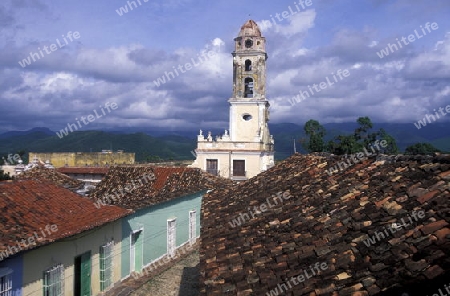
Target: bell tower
<point>249,109</point>
<point>248,148</point>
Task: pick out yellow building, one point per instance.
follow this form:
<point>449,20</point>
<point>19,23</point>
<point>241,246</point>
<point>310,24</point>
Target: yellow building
<point>61,159</point>
<point>248,148</point>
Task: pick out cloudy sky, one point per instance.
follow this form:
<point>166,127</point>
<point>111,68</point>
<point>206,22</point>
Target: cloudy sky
<point>79,55</point>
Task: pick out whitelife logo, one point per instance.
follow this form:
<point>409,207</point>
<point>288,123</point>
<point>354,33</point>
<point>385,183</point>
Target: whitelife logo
<point>394,228</point>
<point>243,217</point>
<point>423,122</point>
<point>31,241</point>
<point>11,160</point>
<point>323,85</point>
<point>169,75</point>
<point>411,38</point>
<point>53,47</point>
<point>124,9</point>
<point>109,198</point>
<point>446,287</point>
<point>183,250</point>
<point>296,280</point>
<point>357,157</point>
<point>73,127</point>
<point>287,13</point>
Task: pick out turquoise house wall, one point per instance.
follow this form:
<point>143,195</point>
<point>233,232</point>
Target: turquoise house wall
<point>153,221</point>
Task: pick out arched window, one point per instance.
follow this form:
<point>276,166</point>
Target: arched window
<point>248,65</point>
<point>248,93</point>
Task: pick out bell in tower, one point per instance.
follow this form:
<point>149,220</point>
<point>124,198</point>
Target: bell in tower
<point>249,63</point>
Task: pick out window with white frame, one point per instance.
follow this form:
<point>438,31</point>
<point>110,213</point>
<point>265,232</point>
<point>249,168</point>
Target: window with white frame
<point>171,236</point>
<point>5,282</point>
<point>106,265</point>
<point>192,226</point>
<point>54,281</point>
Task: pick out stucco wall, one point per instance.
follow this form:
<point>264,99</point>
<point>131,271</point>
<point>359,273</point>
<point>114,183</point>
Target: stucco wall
<point>255,162</point>
<point>37,261</point>
<point>60,159</point>
<point>153,221</point>
<point>242,130</point>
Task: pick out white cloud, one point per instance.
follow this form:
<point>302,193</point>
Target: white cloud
<point>434,63</point>
<point>294,24</point>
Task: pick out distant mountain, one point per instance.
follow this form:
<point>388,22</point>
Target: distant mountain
<point>443,144</point>
<point>41,130</point>
<point>167,148</point>
<point>177,145</point>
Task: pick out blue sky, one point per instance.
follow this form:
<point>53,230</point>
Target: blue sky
<point>117,58</point>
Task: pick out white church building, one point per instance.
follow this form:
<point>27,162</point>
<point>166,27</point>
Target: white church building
<point>247,148</point>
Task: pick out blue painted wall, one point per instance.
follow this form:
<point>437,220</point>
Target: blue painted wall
<point>153,220</point>
<point>16,264</point>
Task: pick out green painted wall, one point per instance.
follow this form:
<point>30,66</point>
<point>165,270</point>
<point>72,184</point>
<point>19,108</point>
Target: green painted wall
<point>153,221</point>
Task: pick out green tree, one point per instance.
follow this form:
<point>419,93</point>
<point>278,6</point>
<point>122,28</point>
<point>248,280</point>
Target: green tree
<point>362,138</point>
<point>344,144</point>
<point>391,147</point>
<point>316,132</point>
<point>421,148</point>
<point>4,176</point>
<point>362,133</point>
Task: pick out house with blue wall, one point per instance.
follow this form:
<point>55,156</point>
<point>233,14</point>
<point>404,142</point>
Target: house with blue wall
<point>166,205</point>
<point>154,232</point>
<point>56,242</point>
<point>11,273</point>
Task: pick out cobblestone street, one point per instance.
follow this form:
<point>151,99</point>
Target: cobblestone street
<point>179,280</point>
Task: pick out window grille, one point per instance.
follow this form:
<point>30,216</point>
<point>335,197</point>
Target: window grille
<point>5,283</point>
<point>171,237</point>
<point>54,281</point>
<point>106,265</point>
<point>192,226</point>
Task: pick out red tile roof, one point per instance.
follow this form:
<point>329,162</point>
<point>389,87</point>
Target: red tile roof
<point>52,175</point>
<point>329,219</point>
<point>160,184</point>
<point>29,205</point>
<point>84,170</point>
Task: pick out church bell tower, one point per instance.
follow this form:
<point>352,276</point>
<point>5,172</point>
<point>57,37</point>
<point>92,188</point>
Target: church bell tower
<point>248,148</point>
<point>249,109</point>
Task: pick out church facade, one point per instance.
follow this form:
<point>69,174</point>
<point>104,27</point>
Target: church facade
<point>247,147</point>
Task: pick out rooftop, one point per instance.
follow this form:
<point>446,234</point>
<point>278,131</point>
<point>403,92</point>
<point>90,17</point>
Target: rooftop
<point>27,206</point>
<point>52,175</point>
<point>359,221</point>
<point>83,170</point>
<point>137,187</point>
<point>250,29</point>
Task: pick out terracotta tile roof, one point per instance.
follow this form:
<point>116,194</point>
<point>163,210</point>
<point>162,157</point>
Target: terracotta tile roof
<point>137,187</point>
<point>29,205</point>
<point>330,219</point>
<point>45,174</point>
<point>83,170</point>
